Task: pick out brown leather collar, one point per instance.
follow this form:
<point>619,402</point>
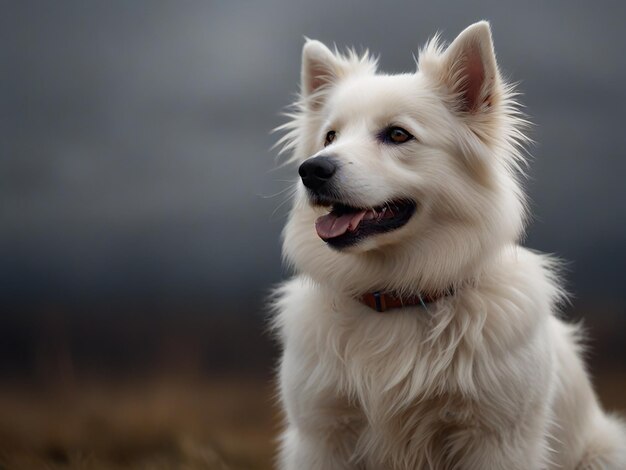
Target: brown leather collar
<point>384,301</point>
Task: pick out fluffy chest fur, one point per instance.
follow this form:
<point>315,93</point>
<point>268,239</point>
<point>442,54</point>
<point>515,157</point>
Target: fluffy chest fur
<point>415,386</point>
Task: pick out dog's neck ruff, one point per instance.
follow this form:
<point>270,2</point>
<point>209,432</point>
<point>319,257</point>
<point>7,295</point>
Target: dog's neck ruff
<point>385,301</point>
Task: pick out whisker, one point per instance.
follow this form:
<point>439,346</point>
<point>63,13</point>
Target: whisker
<point>287,199</point>
<point>282,191</point>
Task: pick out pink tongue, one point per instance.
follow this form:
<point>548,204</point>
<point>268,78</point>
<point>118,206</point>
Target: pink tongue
<point>331,225</point>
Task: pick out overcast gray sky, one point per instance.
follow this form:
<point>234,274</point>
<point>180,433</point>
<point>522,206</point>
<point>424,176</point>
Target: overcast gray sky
<point>135,148</point>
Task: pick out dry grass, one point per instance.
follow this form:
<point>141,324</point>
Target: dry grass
<point>165,423</point>
<point>155,424</point>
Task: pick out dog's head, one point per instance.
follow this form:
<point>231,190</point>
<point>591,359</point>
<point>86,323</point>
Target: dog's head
<point>406,181</point>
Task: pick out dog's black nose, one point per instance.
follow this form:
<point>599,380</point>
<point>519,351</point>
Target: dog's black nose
<point>317,171</point>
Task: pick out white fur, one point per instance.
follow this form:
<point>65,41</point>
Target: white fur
<point>489,378</point>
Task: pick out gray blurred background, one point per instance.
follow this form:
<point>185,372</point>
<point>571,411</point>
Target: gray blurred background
<point>140,207</point>
<point>139,220</point>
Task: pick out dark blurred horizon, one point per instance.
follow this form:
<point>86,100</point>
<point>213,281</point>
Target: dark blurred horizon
<point>136,170</point>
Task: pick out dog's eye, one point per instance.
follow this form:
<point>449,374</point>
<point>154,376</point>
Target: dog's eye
<point>396,135</point>
<point>330,136</point>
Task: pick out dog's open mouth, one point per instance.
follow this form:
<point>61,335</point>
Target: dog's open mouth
<point>345,225</point>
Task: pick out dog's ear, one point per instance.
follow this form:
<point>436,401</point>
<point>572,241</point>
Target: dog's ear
<point>320,68</point>
<point>469,68</point>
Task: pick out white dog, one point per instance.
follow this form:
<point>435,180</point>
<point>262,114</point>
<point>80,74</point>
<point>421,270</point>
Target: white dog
<point>417,333</point>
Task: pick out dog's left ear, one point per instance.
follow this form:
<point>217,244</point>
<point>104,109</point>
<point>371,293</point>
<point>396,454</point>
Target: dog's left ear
<point>469,69</point>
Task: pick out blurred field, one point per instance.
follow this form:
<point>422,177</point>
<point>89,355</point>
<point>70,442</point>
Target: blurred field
<point>161,423</point>
<point>133,390</point>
